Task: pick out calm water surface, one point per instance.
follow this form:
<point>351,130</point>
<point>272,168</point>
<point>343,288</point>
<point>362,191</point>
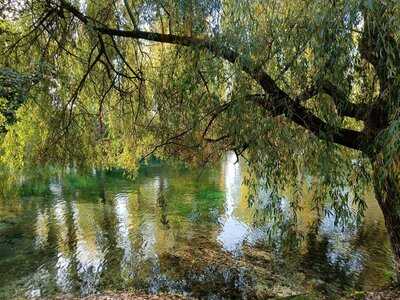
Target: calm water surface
<point>178,232</point>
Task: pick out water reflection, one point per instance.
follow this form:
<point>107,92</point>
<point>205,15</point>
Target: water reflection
<point>176,232</point>
<point>233,232</point>
<point>63,257</point>
<point>42,229</point>
<point>88,250</point>
<point>340,251</point>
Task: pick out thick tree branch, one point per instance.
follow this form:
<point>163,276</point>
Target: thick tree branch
<point>277,102</point>
<point>343,105</point>
<point>306,119</point>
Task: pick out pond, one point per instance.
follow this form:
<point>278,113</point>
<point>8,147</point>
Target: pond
<point>182,232</point>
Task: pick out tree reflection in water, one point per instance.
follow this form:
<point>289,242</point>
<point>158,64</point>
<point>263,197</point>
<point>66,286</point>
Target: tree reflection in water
<point>172,231</point>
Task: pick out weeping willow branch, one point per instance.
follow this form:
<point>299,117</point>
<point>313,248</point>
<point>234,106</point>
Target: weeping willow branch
<point>276,101</point>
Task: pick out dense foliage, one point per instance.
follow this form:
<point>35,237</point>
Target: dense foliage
<point>304,91</point>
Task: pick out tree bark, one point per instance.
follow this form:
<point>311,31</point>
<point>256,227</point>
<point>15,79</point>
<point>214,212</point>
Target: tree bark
<point>387,191</point>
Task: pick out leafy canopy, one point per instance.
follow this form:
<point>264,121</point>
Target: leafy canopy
<point>285,84</point>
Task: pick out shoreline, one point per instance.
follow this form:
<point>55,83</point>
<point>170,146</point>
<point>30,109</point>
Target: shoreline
<point>386,294</point>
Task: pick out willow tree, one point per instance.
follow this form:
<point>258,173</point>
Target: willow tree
<point>296,88</point>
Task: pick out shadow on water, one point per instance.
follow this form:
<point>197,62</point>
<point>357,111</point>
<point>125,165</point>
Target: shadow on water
<point>173,231</point>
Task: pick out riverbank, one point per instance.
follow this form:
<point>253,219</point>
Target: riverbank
<point>126,296</point>
<point>389,294</point>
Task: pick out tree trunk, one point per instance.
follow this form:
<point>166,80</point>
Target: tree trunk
<point>387,191</point>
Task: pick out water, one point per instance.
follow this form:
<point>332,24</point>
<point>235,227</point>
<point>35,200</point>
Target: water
<point>178,231</point>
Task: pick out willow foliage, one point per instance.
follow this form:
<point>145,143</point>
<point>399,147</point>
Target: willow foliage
<point>282,83</point>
